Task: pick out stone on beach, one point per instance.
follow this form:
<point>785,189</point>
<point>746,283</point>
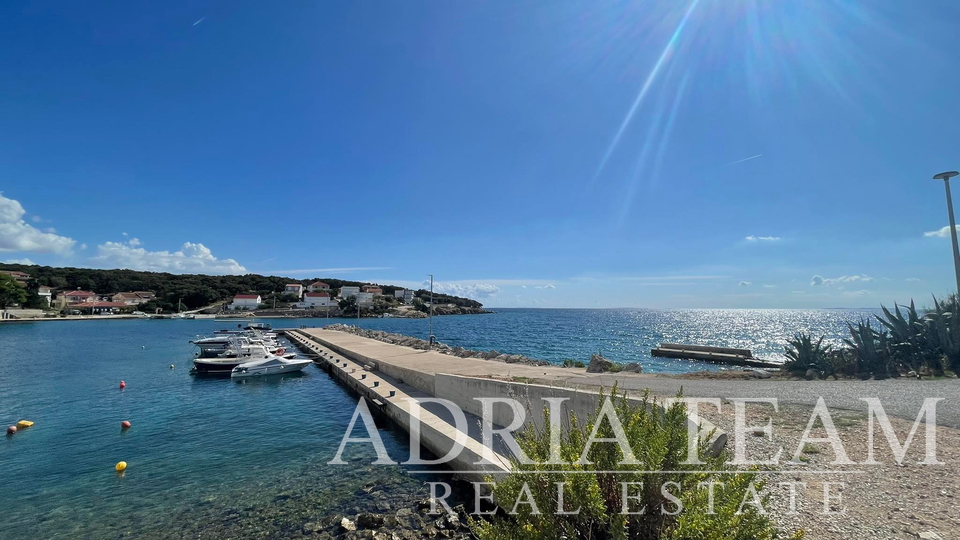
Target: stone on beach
<point>599,364</point>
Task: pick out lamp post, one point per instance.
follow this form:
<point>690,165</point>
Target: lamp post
<point>946,176</point>
<point>431,311</point>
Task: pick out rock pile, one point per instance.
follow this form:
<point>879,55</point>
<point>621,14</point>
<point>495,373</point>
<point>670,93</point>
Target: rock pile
<point>405,523</point>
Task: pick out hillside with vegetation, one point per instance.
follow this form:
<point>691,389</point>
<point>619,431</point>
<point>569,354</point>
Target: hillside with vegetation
<point>193,290</point>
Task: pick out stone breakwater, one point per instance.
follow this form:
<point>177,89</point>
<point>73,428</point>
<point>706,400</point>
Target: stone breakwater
<point>422,344</point>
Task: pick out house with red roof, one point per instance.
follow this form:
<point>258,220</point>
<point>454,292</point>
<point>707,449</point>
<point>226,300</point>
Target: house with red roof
<point>313,300</point>
<point>295,289</point>
<point>318,286</point>
<point>20,277</point>
<point>78,296</point>
<point>245,302</point>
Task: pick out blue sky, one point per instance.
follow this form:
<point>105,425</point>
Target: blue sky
<point>733,153</point>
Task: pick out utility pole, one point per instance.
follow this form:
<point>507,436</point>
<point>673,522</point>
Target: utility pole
<point>946,176</point>
<point>432,338</point>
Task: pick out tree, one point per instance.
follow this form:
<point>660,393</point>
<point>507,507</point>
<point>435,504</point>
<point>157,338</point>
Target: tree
<point>11,292</point>
<point>348,306</point>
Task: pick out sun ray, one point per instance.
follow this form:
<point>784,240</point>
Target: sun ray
<point>651,77</point>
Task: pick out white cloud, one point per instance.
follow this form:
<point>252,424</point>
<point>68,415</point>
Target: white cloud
<point>746,283</point>
<point>820,280</point>
<point>943,232</point>
<point>913,279</point>
<point>83,246</point>
<point>476,290</point>
<point>17,235</point>
<point>20,261</point>
<point>36,219</point>
<point>547,286</point>
<point>191,259</point>
<point>768,286</point>
<point>752,238</point>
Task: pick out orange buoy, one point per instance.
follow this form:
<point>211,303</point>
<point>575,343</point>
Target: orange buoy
<point>123,385</point>
<point>125,424</point>
<point>11,430</point>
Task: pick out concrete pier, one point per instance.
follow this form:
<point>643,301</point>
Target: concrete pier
<point>391,375</point>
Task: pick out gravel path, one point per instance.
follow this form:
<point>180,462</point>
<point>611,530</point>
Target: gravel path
<point>900,397</point>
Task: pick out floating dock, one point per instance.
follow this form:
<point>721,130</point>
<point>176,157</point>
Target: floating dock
<point>717,355</point>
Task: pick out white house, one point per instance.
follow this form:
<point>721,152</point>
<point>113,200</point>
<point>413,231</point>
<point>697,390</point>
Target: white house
<point>245,301</point>
<point>365,299</point>
<point>313,300</point>
<point>318,286</point>
<point>46,294</point>
<point>295,289</point>
<point>347,292</point>
<point>405,295</point>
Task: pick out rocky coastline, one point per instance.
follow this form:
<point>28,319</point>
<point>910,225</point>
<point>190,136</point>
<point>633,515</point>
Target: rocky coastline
<point>404,312</point>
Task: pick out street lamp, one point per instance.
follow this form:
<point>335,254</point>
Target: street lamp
<point>431,311</point>
<point>946,176</point>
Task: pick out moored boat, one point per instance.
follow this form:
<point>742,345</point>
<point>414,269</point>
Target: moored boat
<point>275,365</point>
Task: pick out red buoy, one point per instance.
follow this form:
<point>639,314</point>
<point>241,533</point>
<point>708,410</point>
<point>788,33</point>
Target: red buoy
<point>123,385</point>
<point>11,430</point>
<point>125,424</point>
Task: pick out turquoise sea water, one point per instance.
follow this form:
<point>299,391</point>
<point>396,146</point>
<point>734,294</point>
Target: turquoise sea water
<point>214,458</point>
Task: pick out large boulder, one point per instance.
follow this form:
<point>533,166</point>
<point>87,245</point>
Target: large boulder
<point>633,367</point>
<point>599,364</point>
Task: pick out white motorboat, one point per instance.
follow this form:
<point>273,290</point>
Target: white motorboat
<point>225,364</point>
<point>274,365</point>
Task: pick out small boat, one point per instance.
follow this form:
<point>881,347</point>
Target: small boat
<point>224,365</point>
<point>275,365</point>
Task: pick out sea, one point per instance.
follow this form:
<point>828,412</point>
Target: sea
<point>217,458</point>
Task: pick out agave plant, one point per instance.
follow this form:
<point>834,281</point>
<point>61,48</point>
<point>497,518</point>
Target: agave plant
<point>870,347</point>
<point>804,354</point>
<point>945,328</point>
<point>910,343</point>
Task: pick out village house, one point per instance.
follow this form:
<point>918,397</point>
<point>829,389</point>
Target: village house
<point>405,295</point>
<point>295,289</point>
<point>133,298</point>
<point>20,277</point>
<point>245,301</point>
<point>78,296</point>
<point>347,292</point>
<point>373,289</point>
<point>46,295</point>
<point>365,299</point>
<point>318,286</point>
<point>312,300</point>
<point>67,297</point>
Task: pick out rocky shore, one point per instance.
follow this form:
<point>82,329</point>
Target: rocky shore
<point>421,344</point>
<point>406,523</point>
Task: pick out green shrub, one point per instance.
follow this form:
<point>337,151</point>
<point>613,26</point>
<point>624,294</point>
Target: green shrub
<point>573,363</point>
<point>658,439</point>
<point>803,354</point>
<point>870,347</point>
<point>944,331</point>
<point>912,344</point>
